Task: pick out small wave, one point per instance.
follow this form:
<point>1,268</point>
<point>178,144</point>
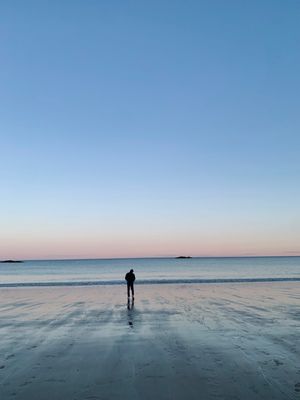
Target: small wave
<point>148,282</point>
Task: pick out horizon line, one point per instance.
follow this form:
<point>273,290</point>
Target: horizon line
<point>149,257</point>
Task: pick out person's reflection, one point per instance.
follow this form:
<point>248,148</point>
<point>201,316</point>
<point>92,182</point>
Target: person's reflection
<point>130,308</point>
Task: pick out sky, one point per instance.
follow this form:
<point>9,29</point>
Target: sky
<point>149,128</point>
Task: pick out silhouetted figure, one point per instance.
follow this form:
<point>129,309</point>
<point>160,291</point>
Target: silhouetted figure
<point>130,278</point>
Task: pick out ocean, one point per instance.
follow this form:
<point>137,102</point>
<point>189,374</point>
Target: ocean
<point>149,271</point>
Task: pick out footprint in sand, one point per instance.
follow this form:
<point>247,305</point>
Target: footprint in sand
<point>25,383</point>
<point>92,398</point>
<point>2,366</point>
<point>32,347</point>
<point>297,387</point>
<point>277,362</point>
<point>9,356</point>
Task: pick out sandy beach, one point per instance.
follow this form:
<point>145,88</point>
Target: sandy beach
<point>225,341</point>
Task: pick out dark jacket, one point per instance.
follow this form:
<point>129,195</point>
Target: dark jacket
<point>130,277</point>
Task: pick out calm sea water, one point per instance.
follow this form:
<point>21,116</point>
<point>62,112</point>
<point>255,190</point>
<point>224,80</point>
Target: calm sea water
<point>150,270</point>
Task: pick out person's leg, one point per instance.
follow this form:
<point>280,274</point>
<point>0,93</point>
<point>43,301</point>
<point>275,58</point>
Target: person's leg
<point>128,290</point>
<point>132,290</point>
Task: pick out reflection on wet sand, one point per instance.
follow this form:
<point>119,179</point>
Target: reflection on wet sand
<point>130,308</point>
<point>224,341</point>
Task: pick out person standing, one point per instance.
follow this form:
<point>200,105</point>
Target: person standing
<point>130,278</point>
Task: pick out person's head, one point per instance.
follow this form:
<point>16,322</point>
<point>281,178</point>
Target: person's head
<point>131,270</point>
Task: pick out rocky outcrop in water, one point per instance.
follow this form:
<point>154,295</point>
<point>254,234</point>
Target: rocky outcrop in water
<point>183,257</point>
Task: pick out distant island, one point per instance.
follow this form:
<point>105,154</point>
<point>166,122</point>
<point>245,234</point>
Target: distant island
<point>11,261</point>
<point>184,257</point>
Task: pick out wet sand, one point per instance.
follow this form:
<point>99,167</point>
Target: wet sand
<point>225,341</point>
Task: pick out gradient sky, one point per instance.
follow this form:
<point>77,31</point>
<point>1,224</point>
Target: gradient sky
<point>149,128</point>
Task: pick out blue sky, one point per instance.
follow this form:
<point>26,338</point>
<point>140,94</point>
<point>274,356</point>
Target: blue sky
<point>132,128</point>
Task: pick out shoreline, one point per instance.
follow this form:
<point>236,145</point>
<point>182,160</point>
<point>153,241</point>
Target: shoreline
<point>149,282</point>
